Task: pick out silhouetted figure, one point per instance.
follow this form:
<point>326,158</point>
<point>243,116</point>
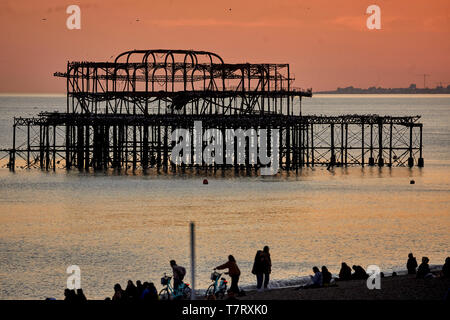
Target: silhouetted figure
<point>345,273</point>
<point>316,280</point>
<point>67,295</point>
<point>446,268</point>
<point>178,274</point>
<point>360,273</point>
<point>131,291</point>
<point>424,269</point>
<point>70,295</point>
<point>139,288</point>
<point>119,294</point>
<point>266,266</point>
<point>326,276</point>
<point>258,269</point>
<point>233,272</point>
<point>145,292</point>
<point>153,293</point>
<point>411,265</point>
<point>394,274</point>
<point>80,295</point>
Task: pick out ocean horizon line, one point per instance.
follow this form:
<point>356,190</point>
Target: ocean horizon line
<point>315,94</point>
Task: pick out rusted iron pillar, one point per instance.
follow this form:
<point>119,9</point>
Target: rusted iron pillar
<point>380,143</point>
<point>420,161</point>
<point>411,155</point>
<point>333,156</point>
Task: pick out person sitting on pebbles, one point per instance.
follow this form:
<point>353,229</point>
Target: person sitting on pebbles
<point>424,272</point>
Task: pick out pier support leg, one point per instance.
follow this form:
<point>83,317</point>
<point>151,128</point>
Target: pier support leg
<point>333,156</point>
<point>371,159</point>
<point>380,144</point>
<point>420,163</point>
<point>411,156</point>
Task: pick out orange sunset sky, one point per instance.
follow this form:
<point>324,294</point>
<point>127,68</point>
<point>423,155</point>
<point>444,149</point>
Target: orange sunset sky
<point>326,42</point>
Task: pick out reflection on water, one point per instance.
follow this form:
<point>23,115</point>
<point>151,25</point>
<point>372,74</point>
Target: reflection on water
<point>120,227</point>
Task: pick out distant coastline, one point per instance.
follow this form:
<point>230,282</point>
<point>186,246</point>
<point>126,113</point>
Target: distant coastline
<point>412,89</point>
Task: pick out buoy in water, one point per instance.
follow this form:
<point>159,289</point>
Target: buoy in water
<point>412,182</point>
<point>205,181</point>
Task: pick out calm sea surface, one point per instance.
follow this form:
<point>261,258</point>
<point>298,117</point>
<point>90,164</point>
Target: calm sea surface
<point>117,228</point>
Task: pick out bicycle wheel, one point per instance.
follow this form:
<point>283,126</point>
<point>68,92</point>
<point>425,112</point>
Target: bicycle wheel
<point>209,291</point>
<point>164,294</point>
<point>187,293</point>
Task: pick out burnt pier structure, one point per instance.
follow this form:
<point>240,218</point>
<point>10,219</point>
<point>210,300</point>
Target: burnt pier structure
<point>120,115</point>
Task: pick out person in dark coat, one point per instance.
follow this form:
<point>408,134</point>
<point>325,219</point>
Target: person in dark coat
<point>258,269</point>
<point>446,268</point>
<point>67,295</point>
<point>150,292</point>
<point>424,269</point>
<point>326,276</point>
<point>411,265</point>
<point>131,291</point>
<point>80,295</point>
<point>139,288</point>
<point>233,272</point>
<point>119,294</point>
<point>153,294</point>
<point>266,266</point>
<point>360,273</point>
<point>345,273</point>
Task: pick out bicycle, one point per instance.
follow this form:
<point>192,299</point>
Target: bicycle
<point>217,289</point>
<point>168,292</point>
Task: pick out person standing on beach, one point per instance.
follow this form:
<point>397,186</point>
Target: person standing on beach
<point>178,274</point>
<point>266,266</point>
<point>446,268</point>
<point>258,269</point>
<point>233,272</point>
<point>411,265</point>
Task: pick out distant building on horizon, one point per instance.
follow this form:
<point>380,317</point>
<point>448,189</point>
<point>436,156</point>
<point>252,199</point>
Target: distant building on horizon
<point>412,89</point>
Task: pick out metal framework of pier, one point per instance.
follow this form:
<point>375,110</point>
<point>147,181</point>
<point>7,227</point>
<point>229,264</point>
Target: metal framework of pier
<point>120,115</point>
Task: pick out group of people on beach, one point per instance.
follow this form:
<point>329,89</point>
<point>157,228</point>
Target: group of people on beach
<point>423,271</point>
<point>71,295</point>
<point>262,268</point>
<point>323,278</point>
<point>140,292</point>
